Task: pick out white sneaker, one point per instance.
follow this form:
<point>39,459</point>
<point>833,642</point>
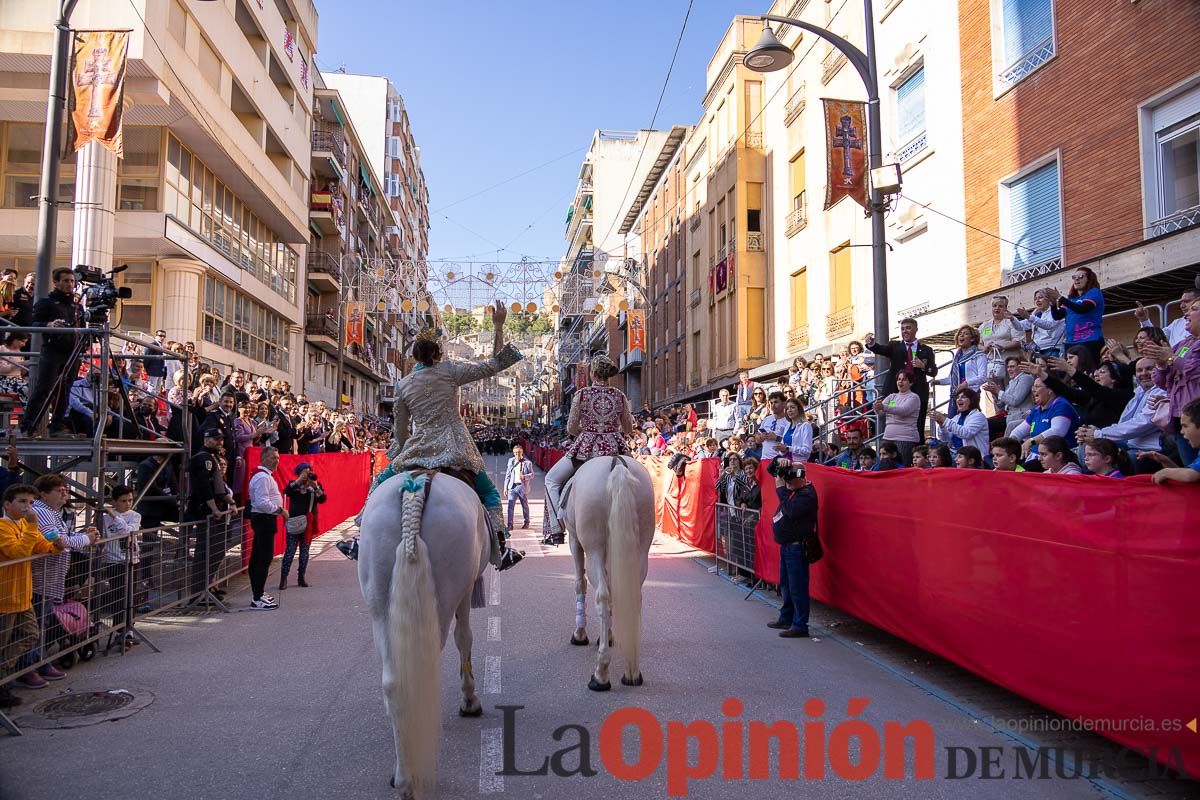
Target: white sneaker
<point>270,598</point>
<point>263,604</point>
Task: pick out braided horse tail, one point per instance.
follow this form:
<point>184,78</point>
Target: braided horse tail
<point>415,643</point>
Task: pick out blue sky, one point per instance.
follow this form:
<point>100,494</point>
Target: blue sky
<point>496,88</point>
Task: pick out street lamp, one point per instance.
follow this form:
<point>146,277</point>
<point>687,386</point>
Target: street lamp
<point>771,55</point>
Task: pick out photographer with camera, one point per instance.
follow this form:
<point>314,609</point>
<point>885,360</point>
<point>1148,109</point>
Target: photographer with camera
<point>795,529</point>
<point>58,361</point>
<point>303,495</point>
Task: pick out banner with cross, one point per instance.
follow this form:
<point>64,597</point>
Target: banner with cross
<point>846,159</point>
<point>97,89</point>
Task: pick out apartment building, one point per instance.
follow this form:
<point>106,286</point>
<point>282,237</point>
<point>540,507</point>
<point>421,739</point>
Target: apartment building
<point>601,260</point>
<point>1080,130</point>
<point>727,177</point>
<point>659,215</point>
<point>347,262</point>
<point>210,208</point>
<point>820,259</point>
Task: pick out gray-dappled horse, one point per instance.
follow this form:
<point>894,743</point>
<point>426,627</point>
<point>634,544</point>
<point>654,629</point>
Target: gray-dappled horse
<point>420,564</point>
<point>610,515</point>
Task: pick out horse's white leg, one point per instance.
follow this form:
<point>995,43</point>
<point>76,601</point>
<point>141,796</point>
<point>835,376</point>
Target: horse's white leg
<point>462,637</point>
<point>580,636</point>
<point>392,702</point>
<point>595,568</point>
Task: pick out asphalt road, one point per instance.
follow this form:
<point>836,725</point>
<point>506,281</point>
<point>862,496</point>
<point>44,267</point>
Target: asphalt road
<point>287,704</point>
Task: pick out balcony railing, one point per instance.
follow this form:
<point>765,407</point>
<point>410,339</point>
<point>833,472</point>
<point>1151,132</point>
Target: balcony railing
<point>1032,271</point>
<point>840,323</point>
<point>795,105</point>
<point>695,221</point>
<point>798,218</point>
<point>1040,54</point>
<point>330,139</point>
<point>694,298</point>
<point>1177,221</point>
<point>831,64</point>
<point>797,338</point>
<point>319,261</point>
<point>754,241</point>
<point>321,325</point>
<point>916,145</point>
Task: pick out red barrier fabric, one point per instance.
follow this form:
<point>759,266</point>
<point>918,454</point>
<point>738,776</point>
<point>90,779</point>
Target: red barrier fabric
<point>685,508</point>
<point>1073,591</point>
<point>346,477</point>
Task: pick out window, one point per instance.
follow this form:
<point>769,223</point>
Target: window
<point>799,298</point>
<point>236,322</point>
<point>753,107</point>
<point>796,180</point>
<point>138,175</point>
<point>1177,157</point>
<point>23,148</point>
<point>199,200</point>
<point>754,192</point>
<point>1026,38</point>
<point>910,115</point>
<point>840,279</point>
<point>1031,219</point>
<point>1170,152</point>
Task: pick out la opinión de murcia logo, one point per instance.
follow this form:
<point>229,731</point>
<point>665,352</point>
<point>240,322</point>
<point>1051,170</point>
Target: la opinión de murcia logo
<point>736,749</point>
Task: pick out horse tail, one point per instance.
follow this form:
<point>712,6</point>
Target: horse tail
<point>624,565</point>
<point>415,649</point>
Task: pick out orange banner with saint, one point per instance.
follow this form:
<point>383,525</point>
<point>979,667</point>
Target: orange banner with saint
<point>98,89</point>
<point>637,329</point>
<point>846,140</point>
<point>355,317</point>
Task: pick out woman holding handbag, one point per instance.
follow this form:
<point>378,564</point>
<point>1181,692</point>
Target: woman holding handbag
<point>303,496</point>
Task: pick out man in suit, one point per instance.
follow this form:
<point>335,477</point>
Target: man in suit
<point>518,479</point>
<point>745,397</point>
<point>908,353</point>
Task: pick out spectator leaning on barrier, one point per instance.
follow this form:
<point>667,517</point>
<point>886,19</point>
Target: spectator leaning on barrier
<point>969,457</point>
<point>1006,455</point>
<point>121,530</point>
<point>889,457</point>
<point>920,458</point>
<point>732,481</point>
<point>795,528</point>
<point>867,460</point>
<point>50,573</point>
<point>19,538</point>
<point>1051,415</point>
<point>1135,431</point>
<point>848,457</point>
<point>900,411</point>
<point>750,496</point>
<point>940,456</point>
<point>1104,458</point>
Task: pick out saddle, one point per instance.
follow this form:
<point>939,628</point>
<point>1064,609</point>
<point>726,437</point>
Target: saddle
<point>464,475</point>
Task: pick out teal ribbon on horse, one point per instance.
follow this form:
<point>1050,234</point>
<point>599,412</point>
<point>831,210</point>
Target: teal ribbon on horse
<point>412,484</point>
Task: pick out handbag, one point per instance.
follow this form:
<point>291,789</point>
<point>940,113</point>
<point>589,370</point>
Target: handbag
<point>296,525</point>
<point>72,617</point>
<point>810,548</point>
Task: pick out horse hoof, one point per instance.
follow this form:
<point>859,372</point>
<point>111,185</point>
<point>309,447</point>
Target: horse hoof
<point>635,682</point>
<point>597,686</point>
<point>579,642</point>
<point>473,711</point>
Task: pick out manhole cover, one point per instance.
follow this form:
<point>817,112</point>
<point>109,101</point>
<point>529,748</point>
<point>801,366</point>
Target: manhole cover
<point>80,709</point>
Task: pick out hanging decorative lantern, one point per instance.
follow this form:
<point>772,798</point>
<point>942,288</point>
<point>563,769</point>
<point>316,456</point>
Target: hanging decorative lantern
<point>449,276</point>
<point>423,306</point>
<point>406,304</point>
<point>558,275</point>
<point>449,309</point>
<point>623,305</point>
<point>489,277</point>
<point>531,308</point>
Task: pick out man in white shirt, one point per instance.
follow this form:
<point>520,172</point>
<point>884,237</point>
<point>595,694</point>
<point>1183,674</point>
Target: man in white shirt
<point>724,416</point>
<point>773,427</point>
<point>1135,431</point>
<point>266,507</point>
<point>518,478</point>
<point>1177,330</point>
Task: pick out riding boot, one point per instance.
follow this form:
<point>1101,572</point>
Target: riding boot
<point>503,556</point>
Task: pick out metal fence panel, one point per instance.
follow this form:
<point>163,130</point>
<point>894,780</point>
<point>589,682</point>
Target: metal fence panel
<point>735,537</point>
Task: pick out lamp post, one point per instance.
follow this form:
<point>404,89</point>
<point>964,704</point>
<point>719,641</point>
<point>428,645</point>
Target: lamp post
<point>771,55</point>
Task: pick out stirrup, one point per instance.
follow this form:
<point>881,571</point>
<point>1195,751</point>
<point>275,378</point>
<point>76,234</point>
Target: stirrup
<point>510,557</point>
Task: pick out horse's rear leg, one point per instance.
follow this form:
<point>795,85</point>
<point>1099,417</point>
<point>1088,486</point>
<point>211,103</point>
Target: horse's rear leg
<point>392,702</point>
<point>471,706</point>
<point>579,637</point>
<point>595,566</point>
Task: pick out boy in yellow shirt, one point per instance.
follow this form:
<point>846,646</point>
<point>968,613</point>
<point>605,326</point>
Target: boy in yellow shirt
<point>19,538</point>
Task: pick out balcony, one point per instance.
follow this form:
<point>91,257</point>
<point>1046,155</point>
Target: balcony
<point>840,323</point>
<point>798,218</point>
<point>754,241</point>
<point>324,271</point>
<point>322,324</point>
<point>795,105</point>
<point>916,145</point>
<point>329,142</point>
<point>695,221</point>
<point>631,359</point>
<point>831,64</point>
<point>325,212</point>
<point>694,298</point>
<point>1038,55</point>
<point>797,338</point>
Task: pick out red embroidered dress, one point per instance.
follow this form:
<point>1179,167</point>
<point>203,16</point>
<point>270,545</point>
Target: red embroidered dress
<point>600,414</point>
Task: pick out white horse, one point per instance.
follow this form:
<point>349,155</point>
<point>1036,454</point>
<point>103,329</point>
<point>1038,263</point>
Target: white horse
<point>420,564</point>
<point>610,515</point>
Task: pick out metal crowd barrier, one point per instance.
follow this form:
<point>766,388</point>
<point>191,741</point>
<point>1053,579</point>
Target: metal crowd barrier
<point>735,544</point>
<point>111,585</point>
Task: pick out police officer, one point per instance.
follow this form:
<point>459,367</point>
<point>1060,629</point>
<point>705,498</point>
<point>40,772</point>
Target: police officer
<point>211,503</point>
<point>795,527</point>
